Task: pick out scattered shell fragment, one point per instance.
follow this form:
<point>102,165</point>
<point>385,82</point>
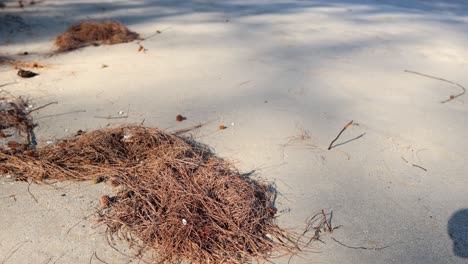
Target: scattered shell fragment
<point>127,138</point>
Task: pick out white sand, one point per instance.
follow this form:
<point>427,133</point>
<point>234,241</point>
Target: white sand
<point>272,70</point>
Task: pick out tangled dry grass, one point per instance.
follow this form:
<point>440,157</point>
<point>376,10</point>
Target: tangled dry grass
<point>13,113</point>
<point>15,119</point>
<point>174,196</point>
<point>90,33</point>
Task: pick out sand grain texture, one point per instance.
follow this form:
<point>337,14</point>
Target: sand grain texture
<point>272,72</point>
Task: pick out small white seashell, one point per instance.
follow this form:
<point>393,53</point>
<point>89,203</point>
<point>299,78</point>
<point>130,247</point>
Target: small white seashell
<point>184,221</point>
<point>66,130</point>
<point>127,136</point>
<point>121,112</point>
<point>49,142</point>
<point>232,124</point>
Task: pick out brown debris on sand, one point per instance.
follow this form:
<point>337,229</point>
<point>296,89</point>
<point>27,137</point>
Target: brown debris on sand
<point>26,74</point>
<point>18,64</point>
<point>180,118</point>
<point>92,34</point>
<point>15,120</point>
<point>174,196</point>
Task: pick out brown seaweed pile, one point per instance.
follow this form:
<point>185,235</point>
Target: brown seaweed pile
<point>90,33</point>
<point>174,196</point>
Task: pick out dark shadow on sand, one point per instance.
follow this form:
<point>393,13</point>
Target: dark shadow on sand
<point>458,231</point>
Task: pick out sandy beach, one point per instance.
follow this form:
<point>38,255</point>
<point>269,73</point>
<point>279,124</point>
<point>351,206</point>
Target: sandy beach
<point>284,77</point>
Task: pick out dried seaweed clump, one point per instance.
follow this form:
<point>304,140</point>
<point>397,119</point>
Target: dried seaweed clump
<point>93,34</point>
<point>174,196</point>
<point>15,123</point>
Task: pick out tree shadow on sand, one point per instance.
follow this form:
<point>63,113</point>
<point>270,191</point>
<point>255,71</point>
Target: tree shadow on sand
<point>458,231</point>
<point>45,19</point>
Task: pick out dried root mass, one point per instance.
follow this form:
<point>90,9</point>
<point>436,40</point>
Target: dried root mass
<point>94,33</point>
<point>174,196</point>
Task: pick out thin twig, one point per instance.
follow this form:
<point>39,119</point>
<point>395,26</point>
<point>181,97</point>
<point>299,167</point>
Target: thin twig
<point>110,243</point>
<point>154,34</point>
<point>352,247</point>
<point>452,97</point>
<point>83,219</point>
<point>16,248</point>
<point>91,258</point>
<point>30,193</point>
<point>9,196</point>
<point>347,141</point>
<point>339,134</point>
<point>40,107</point>
<point>115,117</point>
<point>417,166</point>
<point>61,114</point>
<point>74,226</point>
<point>95,254</point>
<point>47,261</point>
<point>185,130</point>
<point>326,221</point>
<point>5,84</point>
<point>412,164</point>
<point>111,117</point>
<point>61,256</point>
